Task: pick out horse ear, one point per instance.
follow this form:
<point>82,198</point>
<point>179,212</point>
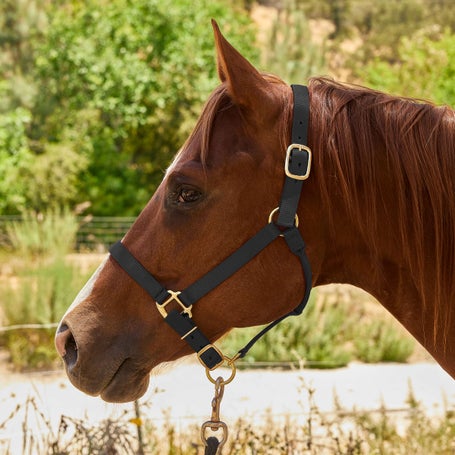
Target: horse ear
<point>244,83</point>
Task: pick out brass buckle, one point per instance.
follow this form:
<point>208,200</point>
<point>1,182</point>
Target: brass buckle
<point>230,363</point>
<point>174,296</point>
<point>205,349</point>
<point>288,157</point>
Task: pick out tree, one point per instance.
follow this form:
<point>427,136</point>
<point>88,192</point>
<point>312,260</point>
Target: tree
<point>121,82</point>
<point>14,157</point>
<point>291,51</point>
<point>22,22</point>
<point>425,67</point>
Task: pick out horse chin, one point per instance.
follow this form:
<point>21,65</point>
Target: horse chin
<point>125,386</point>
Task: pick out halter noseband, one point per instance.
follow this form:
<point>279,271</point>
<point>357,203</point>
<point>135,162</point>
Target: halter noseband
<point>297,169</point>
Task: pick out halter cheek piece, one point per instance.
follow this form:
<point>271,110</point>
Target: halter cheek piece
<point>297,168</point>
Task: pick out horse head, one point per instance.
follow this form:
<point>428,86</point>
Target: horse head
<point>216,194</point>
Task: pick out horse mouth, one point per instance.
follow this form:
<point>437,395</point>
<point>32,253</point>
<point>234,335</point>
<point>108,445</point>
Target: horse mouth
<point>126,384</point>
<point>114,377</point>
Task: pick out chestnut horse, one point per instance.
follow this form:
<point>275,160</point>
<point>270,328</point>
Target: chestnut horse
<point>377,211</point>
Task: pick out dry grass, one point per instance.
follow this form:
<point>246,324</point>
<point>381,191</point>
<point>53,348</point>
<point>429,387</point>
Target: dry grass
<point>312,432</point>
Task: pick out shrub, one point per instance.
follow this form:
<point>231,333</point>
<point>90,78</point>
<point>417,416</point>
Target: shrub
<point>376,341</point>
<point>40,295</point>
<point>41,235</point>
<point>43,287</point>
<point>425,68</point>
<point>14,157</point>
<point>336,327</point>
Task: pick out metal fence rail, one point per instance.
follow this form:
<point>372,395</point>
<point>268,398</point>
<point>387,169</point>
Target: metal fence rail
<point>95,233</point>
<point>98,233</point>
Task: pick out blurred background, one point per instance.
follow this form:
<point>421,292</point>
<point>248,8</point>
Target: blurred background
<point>96,97</point>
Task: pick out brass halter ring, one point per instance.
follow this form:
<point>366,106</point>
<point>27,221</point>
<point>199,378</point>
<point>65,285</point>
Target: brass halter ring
<point>231,364</point>
<point>296,218</point>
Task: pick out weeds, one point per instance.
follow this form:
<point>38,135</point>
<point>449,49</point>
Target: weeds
<point>341,432</point>
<point>72,436</point>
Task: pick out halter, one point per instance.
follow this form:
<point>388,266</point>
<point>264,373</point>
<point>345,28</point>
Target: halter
<point>297,169</point>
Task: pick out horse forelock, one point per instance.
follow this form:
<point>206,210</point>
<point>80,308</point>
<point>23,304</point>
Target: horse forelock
<point>360,130</point>
<point>219,101</point>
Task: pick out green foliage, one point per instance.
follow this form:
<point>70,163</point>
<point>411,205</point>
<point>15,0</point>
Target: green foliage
<point>52,177</point>
<point>328,334</point>
<point>291,52</point>
<point>31,349</point>
<point>383,23</point>
<point>34,180</point>
<point>40,294</point>
<point>378,342</point>
<point>102,95</point>
<point>125,80</point>
<point>43,285</point>
<point>21,25</point>
<point>425,69</point>
<point>42,235</point>
<point>15,156</point>
<point>339,12</point>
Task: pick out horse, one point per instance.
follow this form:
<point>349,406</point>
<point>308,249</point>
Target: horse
<point>377,211</point>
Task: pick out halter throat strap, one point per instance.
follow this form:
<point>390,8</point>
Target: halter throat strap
<point>297,169</point>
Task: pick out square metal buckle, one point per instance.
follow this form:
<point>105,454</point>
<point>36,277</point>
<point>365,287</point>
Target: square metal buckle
<point>207,348</point>
<point>302,148</point>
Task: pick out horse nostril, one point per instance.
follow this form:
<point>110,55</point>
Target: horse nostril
<point>66,345</point>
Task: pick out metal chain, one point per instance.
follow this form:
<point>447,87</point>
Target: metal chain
<point>213,445</point>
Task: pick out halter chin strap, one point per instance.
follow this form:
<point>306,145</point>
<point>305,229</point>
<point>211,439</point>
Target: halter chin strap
<point>297,169</point>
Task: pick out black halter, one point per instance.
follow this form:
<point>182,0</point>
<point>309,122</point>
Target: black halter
<point>297,168</point>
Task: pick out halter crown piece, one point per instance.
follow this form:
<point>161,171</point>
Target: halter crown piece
<point>297,169</point>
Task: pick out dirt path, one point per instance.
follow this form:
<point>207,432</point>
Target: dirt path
<point>182,395</point>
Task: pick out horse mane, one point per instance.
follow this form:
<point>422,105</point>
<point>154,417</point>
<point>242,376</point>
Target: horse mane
<point>369,143</point>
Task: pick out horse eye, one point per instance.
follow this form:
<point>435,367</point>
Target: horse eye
<point>188,195</point>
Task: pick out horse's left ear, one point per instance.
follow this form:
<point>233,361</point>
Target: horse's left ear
<point>245,84</point>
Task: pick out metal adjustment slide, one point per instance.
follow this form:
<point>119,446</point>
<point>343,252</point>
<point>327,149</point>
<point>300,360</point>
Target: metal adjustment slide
<point>173,297</point>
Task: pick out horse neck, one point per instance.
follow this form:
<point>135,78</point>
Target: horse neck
<point>391,222</point>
